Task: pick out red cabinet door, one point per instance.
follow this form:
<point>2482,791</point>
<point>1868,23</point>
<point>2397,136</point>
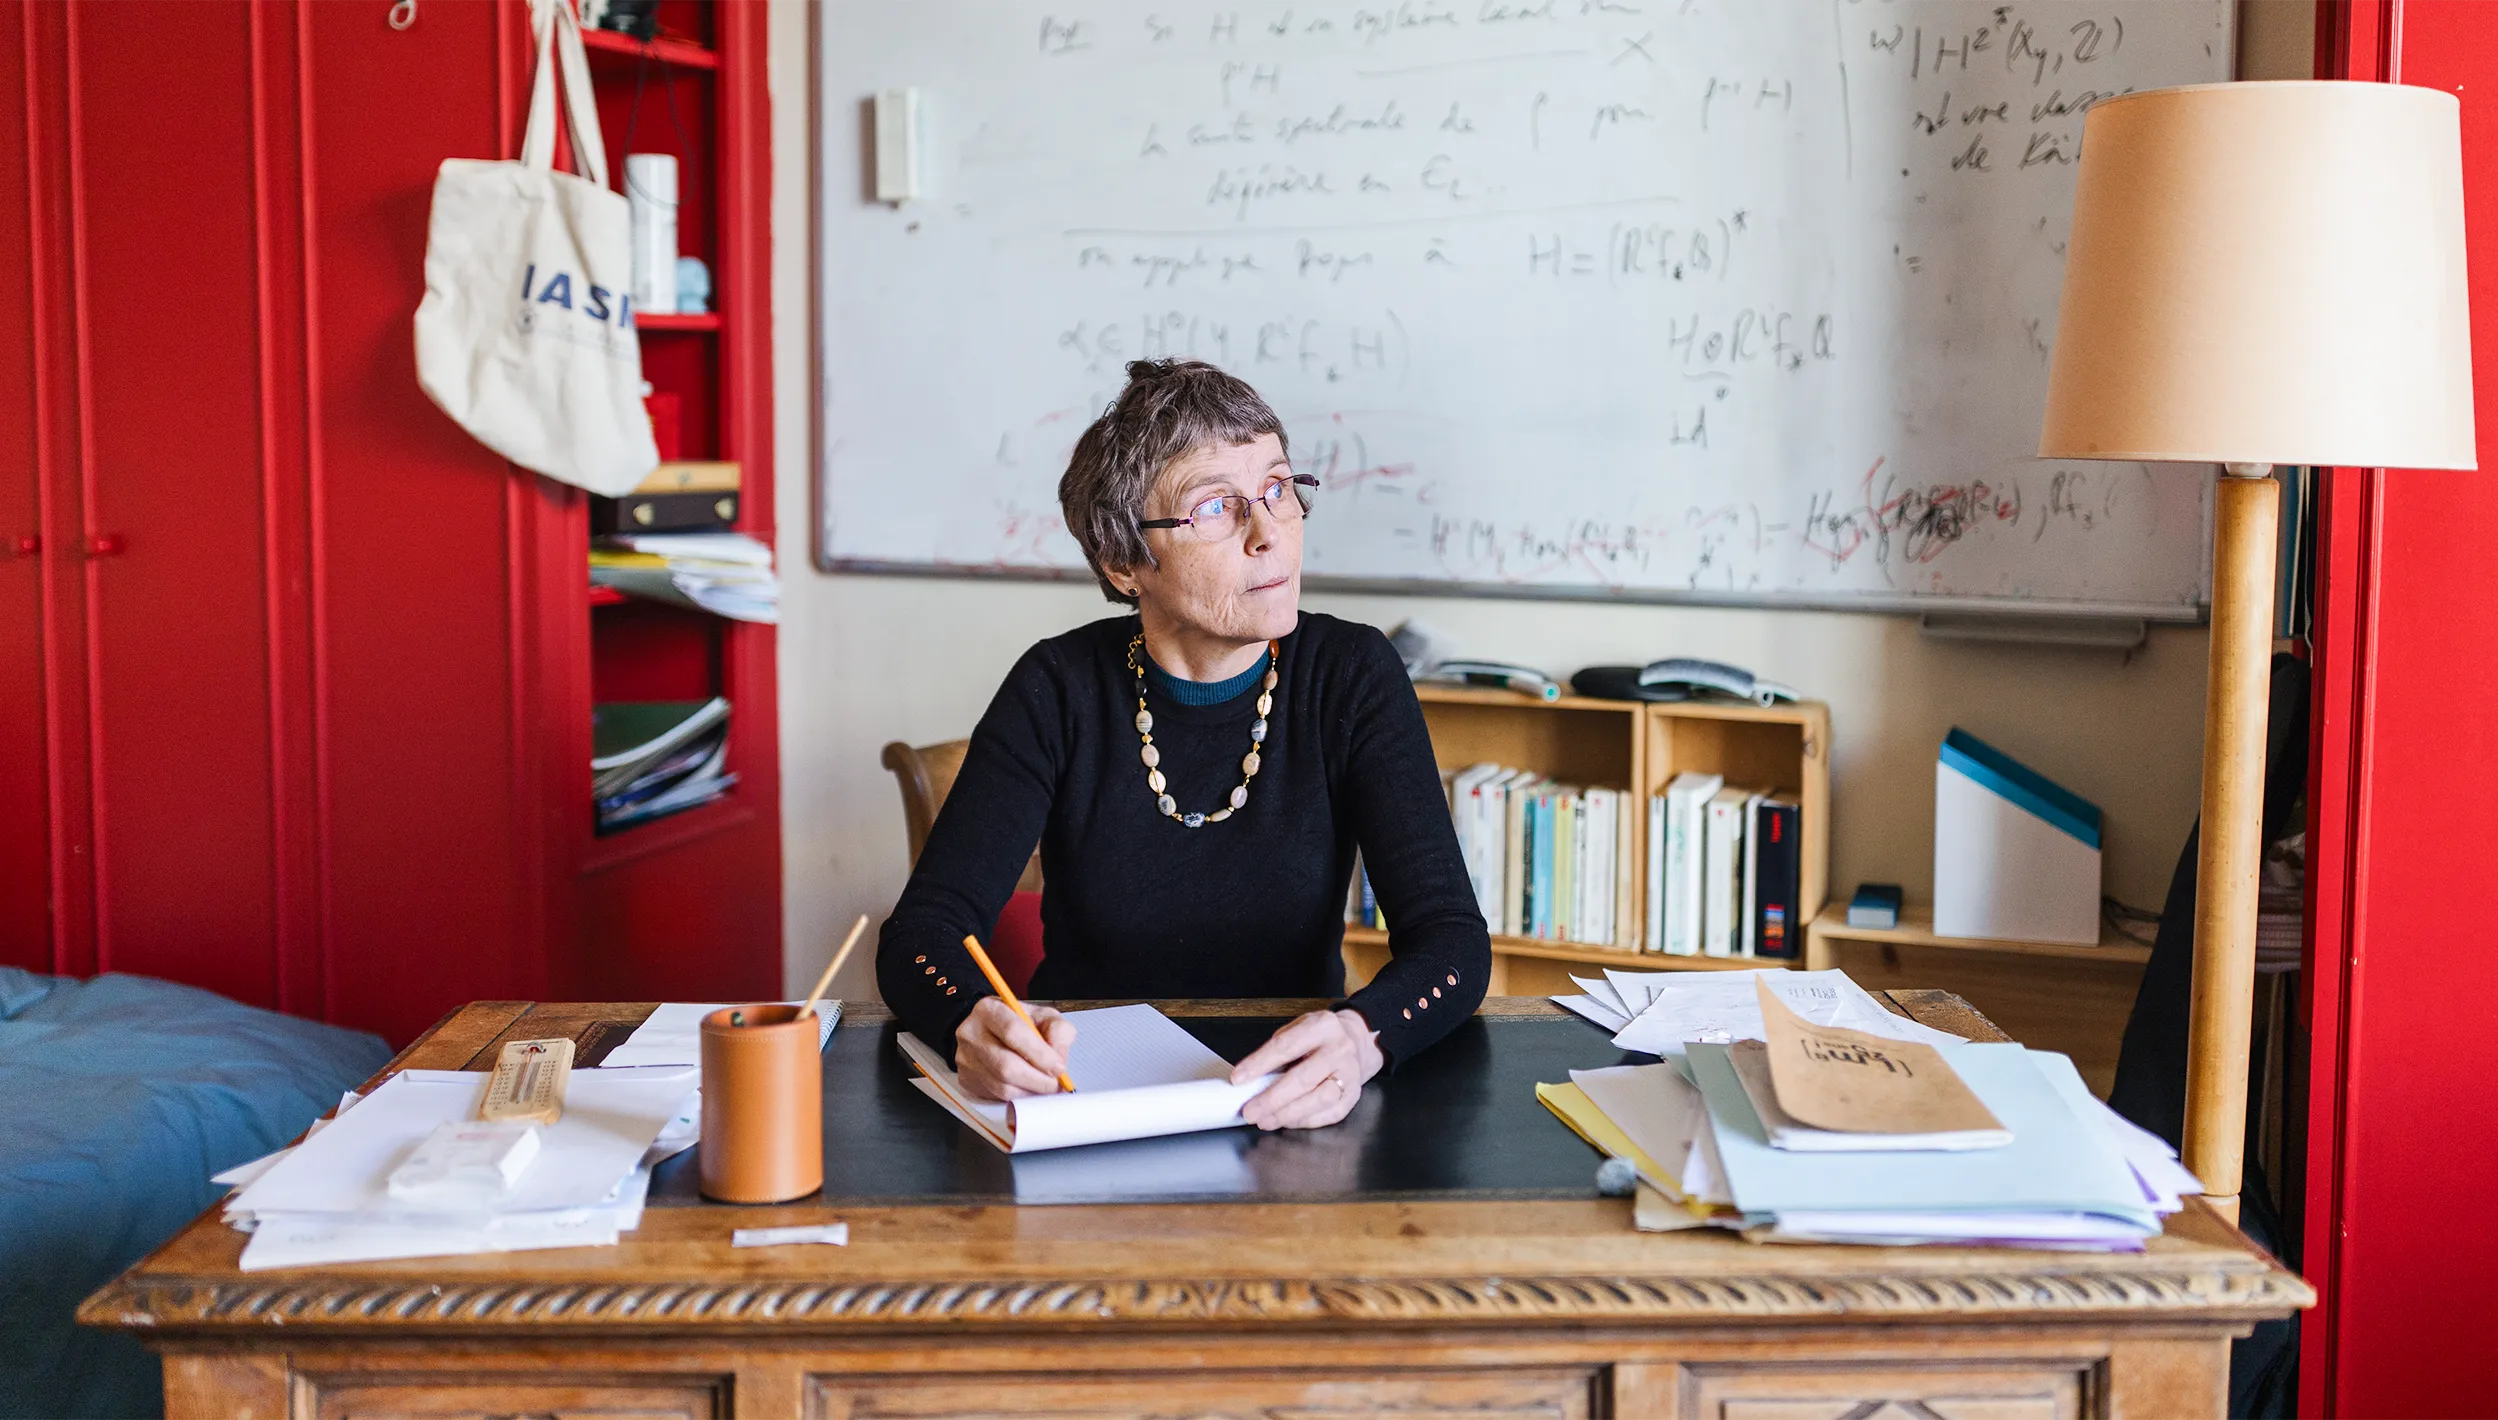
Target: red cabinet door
<point>177,581</point>
<point>26,920</point>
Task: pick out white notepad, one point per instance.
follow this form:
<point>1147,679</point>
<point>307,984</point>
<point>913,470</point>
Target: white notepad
<point>673,1034</point>
<point>1137,1076</point>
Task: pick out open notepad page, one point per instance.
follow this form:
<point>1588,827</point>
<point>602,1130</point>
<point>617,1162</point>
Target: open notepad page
<point>1137,1076</point>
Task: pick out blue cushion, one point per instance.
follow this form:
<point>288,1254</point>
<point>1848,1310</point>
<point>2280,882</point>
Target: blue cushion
<point>119,1096</point>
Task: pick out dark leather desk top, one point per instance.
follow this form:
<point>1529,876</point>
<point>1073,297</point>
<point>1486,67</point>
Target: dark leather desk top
<point>1460,1121</point>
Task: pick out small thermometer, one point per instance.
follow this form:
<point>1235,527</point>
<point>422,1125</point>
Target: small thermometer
<point>528,1082</point>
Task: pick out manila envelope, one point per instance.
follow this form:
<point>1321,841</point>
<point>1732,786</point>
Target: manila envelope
<point>1845,1080</point>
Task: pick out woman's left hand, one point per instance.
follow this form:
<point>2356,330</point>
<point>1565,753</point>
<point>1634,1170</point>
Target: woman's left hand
<point>1324,1058</point>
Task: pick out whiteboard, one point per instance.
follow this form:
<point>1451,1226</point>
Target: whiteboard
<point>1726,300</point>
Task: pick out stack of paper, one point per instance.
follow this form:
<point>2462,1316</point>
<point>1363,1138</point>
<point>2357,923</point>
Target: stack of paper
<point>728,574</point>
<point>649,758</point>
<point>1795,1131</point>
<point>1655,1012</point>
<point>672,1034</point>
<point>328,1198</point>
<point>1137,1076</point>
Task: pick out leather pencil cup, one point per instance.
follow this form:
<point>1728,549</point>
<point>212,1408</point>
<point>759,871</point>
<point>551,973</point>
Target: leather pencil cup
<point>763,1105</point>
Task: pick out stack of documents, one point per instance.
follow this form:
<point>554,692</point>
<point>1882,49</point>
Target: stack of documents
<point>672,1034</point>
<point>1655,1012</point>
<point>1796,1131</point>
<point>1137,1076</point>
<point>727,574</point>
<point>650,758</point>
<point>328,1199</point>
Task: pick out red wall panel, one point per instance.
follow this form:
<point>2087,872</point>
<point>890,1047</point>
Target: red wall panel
<point>177,662</point>
<point>432,879</point>
<point>2405,833</point>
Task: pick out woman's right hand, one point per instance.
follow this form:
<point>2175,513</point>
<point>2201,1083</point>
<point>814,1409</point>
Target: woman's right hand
<point>998,1057</point>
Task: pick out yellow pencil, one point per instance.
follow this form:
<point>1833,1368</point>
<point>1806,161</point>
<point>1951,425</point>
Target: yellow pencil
<point>1006,994</point>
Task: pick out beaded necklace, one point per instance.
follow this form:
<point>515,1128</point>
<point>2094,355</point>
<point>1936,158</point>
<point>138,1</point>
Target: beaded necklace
<point>1153,757</point>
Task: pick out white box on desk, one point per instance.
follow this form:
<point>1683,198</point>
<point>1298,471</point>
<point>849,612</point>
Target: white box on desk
<point>2016,856</point>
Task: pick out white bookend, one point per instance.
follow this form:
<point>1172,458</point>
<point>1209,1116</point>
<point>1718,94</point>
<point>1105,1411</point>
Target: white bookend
<point>1686,812</point>
<point>1721,893</point>
<point>2016,855</point>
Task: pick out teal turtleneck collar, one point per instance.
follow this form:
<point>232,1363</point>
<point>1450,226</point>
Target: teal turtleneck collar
<point>1203,692</point>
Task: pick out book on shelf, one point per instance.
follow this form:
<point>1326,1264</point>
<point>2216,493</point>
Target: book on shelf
<point>1548,861</point>
<point>1721,871</point>
<point>1775,851</point>
<point>1684,879</point>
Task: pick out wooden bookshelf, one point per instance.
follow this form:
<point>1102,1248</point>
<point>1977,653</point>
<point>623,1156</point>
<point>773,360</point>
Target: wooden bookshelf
<point>1638,746</point>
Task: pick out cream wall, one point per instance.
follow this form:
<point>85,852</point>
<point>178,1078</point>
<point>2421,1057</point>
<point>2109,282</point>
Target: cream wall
<point>865,660</point>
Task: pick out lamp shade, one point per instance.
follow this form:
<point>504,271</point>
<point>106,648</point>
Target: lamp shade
<point>2266,273</point>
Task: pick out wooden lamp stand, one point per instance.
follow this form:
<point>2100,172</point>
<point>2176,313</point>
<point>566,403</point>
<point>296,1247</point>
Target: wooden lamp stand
<point>2220,1024</point>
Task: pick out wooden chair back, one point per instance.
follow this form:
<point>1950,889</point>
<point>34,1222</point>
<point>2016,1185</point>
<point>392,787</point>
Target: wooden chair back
<point>926,775</point>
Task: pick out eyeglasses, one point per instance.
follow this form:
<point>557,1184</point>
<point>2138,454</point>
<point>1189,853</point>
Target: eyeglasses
<point>1221,518</point>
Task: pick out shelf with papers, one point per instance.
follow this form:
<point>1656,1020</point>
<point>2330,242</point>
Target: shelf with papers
<point>1916,929</point>
<point>709,872</point>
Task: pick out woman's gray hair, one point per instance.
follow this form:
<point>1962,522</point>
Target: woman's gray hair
<point>1170,409</point>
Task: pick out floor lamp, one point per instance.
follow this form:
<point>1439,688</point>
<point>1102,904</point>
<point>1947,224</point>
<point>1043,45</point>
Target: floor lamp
<point>2259,274</point>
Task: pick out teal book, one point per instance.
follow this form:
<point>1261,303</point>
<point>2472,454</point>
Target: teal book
<point>2057,1161</point>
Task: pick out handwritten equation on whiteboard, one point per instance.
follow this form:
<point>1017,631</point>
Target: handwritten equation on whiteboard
<point>1748,298</point>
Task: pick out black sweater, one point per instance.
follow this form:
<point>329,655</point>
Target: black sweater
<point>1136,905</point>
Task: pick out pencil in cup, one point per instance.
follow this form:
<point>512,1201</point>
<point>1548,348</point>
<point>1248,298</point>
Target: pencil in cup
<point>1006,994</point>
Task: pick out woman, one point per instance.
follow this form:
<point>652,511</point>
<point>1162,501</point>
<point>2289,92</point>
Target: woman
<point>1198,776</point>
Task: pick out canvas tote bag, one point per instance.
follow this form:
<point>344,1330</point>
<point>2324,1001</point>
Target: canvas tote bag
<point>525,335</point>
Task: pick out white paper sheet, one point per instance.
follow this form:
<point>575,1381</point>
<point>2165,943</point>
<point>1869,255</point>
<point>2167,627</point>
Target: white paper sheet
<point>312,1239</point>
<point>1721,1006</point>
<point>611,1118</point>
<point>2165,1181</point>
<point>835,1234</point>
<point>673,1034</point>
<point>1594,1010</point>
<point>1603,993</point>
<point>1137,1076</point>
<point>1665,1115</point>
<point>2096,1230</point>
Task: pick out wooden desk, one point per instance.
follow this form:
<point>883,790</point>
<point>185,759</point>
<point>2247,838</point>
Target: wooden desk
<point>1379,1308</point>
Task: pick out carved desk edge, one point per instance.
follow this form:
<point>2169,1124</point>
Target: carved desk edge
<point>2227,1279</point>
